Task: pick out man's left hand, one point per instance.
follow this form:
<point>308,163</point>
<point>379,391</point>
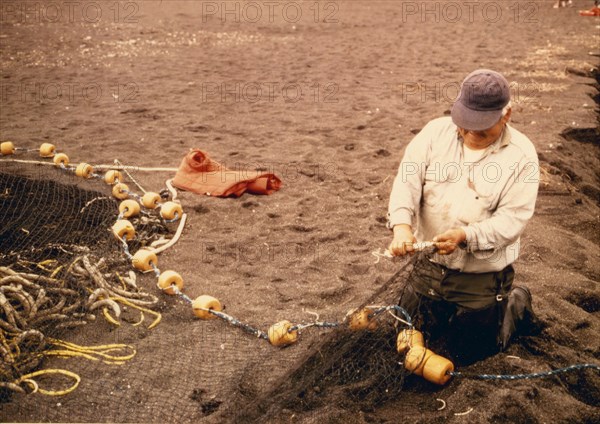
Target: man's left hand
<point>448,241</point>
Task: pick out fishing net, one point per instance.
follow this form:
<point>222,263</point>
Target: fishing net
<point>350,371</point>
<point>68,290</point>
<point>60,268</point>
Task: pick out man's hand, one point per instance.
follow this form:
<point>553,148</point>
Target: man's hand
<point>447,242</point>
<point>403,240</point>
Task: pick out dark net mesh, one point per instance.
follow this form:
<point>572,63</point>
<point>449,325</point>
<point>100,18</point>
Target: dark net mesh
<point>43,219</point>
<point>61,268</point>
<point>345,373</point>
<point>84,338</point>
<point>62,273</point>
<point>50,214</point>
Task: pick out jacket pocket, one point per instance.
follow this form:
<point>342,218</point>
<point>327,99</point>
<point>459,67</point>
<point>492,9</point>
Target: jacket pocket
<point>474,207</point>
<point>433,189</point>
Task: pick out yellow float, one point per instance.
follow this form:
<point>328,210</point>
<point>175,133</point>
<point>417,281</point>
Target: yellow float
<point>123,228</point>
<point>203,304</point>
<point>61,160</point>
<point>47,150</point>
<point>144,259</point>
<point>7,148</point>
<point>150,200</point>
<point>408,338</point>
<point>120,191</point>
<point>171,210</point>
<point>422,361</point>
<point>280,334</point>
<point>129,208</point>
<point>84,170</point>
<point>362,319</point>
<point>168,279</point>
<point>112,177</point>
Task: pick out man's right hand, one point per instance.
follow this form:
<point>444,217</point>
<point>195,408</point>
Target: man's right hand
<point>403,240</point>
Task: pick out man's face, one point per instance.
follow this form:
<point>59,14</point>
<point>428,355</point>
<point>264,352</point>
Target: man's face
<point>481,139</point>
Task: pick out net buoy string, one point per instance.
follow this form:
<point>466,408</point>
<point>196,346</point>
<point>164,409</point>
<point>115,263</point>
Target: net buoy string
<point>133,195</point>
<point>155,269</point>
<point>237,323</point>
<point>100,166</point>
<point>396,308</point>
<point>397,318</point>
<point>126,247</point>
<point>511,377</point>
<point>181,294</point>
<point>318,324</point>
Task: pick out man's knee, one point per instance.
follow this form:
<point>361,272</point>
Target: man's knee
<point>473,334</point>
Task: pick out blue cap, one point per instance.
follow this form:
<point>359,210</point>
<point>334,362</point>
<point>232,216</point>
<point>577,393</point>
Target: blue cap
<point>483,95</point>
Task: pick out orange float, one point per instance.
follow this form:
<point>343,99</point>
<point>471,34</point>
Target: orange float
<point>422,361</point>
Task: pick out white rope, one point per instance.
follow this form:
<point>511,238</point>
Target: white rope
<point>418,247</point>
<point>159,242</point>
<point>399,319</point>
<point>169,184</point>
<point>467,412</point>
<point>175,237</point>
<point>316,315</point>
<point>117,162</point>
<point>102,166</point>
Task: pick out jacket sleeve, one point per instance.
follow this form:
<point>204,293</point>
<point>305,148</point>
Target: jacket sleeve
<point>515,208</point>
<point>408,184</point>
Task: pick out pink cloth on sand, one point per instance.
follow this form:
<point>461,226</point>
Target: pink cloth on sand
<point>200,174</point>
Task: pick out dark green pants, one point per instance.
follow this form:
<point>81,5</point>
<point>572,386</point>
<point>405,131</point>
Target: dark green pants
<point>476,314</point>
<point>468,290</point>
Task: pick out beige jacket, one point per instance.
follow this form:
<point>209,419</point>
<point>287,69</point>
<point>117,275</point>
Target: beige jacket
<point>491,199</point>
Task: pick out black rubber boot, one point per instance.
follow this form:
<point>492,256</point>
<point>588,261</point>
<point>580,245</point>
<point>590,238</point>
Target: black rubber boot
<point>519,318</point>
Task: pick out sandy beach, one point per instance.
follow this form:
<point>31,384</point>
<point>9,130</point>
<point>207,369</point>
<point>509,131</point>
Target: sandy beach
<point>326,95</point>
